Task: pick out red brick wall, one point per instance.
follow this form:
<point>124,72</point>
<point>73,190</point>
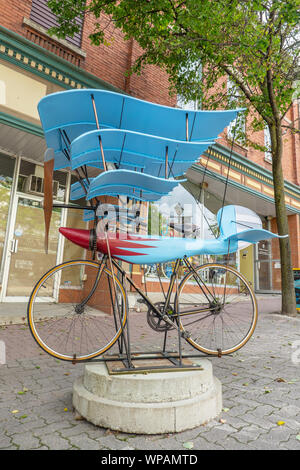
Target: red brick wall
<point>12,14</point>
<point>294,228</point>
<point>294,232</point>
<point>111,62</point>
<point>106,62</point>
<point>291,148</point>
<point>152,84</point>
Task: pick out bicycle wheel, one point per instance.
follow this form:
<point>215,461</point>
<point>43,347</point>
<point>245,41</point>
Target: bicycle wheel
<point>217,309</point>
<point>76,311</point>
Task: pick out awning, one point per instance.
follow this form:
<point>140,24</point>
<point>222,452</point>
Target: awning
<point>22,143</point>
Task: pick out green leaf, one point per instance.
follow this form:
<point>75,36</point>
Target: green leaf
<point>188,445</point>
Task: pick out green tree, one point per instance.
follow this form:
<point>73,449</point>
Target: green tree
<point>199,42</point>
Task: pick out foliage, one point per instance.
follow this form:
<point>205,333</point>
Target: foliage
<point>201,43</point>
<point>255,43</point>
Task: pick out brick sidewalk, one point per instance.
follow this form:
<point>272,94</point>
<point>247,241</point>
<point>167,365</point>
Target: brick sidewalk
<point>261,395</point>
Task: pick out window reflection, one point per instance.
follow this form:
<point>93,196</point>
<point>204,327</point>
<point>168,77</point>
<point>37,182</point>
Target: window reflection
<point>7,165</point>
<point>31,181</point>
<point>185,212</point>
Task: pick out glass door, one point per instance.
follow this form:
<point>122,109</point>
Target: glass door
<point>267,265</point>
<point>263,266</point>
<point>7,169</point>
<point>26,260</point>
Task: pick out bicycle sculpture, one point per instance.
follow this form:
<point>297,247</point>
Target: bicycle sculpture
<point>119,145</point>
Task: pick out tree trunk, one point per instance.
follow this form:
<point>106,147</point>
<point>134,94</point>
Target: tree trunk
<point>287,281</point>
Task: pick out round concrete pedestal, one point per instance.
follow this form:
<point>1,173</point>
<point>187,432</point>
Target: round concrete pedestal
<point>151,403</point>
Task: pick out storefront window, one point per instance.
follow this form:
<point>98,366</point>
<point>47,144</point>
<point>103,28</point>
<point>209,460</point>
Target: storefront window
<point>267,264</point>
<point>28,260</point>
<point>74,220</point>
<point>181,214</point>
<point>7,165</point>
<point>43,16</point>
<point>31,181</point>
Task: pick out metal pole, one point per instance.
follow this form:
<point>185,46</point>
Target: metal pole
<point>127,346</point>
<point>187,126</point>
<point>98,127</point>
<point>166,163</point>
<point>102,153</point>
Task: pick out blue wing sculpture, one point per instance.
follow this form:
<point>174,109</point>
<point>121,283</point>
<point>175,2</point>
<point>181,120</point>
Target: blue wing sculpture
<point>139,149</point>
<point>135,151</point>
<point>150,249</point>
<point>96,127</point>
<point>69,114</point>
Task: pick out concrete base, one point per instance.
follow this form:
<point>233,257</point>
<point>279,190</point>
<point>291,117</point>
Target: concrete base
<point>151,403</point>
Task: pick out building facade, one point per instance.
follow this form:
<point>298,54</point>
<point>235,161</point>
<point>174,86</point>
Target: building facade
<point>34,64</point>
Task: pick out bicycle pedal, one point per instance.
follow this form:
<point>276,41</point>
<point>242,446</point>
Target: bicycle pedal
<point>185,334</point>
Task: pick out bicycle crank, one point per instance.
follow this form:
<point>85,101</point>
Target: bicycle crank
<point>159,322</point>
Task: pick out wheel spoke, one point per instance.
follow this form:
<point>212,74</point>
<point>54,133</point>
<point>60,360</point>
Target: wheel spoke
<point>231,310</point>
<point>66,332</point>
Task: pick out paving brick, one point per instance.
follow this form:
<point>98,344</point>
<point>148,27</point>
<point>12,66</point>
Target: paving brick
<point>26,441</point>
<point>250,421</point>
<point>202,444</point>
<point>230,443</point>
<point>218,434</point>
<point>55,442</point>
<point>248,434</point>
<point>263,422</point>
<point>4,442</point>
<point>89,444</point>
<point>53,428</point>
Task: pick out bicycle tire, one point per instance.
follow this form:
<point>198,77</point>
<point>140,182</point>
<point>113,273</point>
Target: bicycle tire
<point>216,325</point>
<point>57,320</point>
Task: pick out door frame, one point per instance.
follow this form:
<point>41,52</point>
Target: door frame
<point>268,261</point>
<point>8,252</point>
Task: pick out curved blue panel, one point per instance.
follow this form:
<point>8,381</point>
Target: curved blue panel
<point>253,236</point>
<point>145,196</point>
<point>130,183</point>
<point>72,112</point>
<point>77,191</point>
<point>88,215</point>
<point>136,151</point>
<point>60,161</point>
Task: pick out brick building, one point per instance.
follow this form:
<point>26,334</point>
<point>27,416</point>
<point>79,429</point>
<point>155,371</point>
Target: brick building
<point>33,64</point>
